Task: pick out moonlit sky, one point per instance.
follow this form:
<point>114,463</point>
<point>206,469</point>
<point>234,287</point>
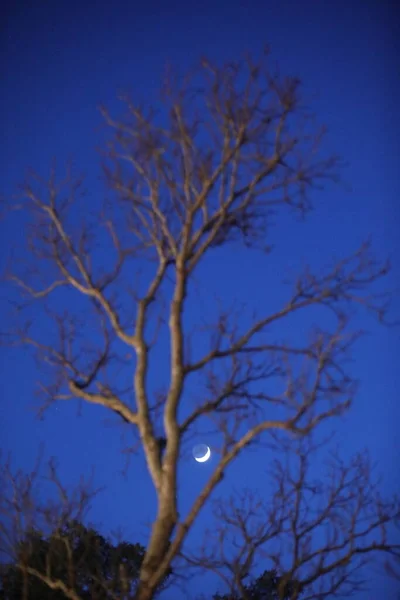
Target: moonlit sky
<point>61,59</point>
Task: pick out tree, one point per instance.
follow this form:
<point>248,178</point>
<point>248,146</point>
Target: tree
<point>317,532</point>
<point>99,569</point>
<point>230,147</point>
<point>64,558</point>
<point>264,587</point>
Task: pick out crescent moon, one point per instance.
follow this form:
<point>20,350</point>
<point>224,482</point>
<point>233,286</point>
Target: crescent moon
<point>205,457</point>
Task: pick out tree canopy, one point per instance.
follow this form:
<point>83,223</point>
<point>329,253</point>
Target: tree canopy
<point>267,586</point>
<point>82,562</point>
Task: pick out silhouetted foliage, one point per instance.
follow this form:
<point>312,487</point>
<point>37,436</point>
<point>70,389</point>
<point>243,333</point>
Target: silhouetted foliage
<point>267,586</point>
<point>90,566</point>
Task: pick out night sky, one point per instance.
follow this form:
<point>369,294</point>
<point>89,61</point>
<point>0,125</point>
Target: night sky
<point>60,60</point>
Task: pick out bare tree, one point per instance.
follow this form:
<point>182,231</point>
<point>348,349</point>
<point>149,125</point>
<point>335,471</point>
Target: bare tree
<point>229,147</point>
<point>319,533</point>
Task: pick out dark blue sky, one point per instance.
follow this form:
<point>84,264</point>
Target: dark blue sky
<point>61,59</point>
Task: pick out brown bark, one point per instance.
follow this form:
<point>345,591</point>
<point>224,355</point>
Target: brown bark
<point>180,191</point>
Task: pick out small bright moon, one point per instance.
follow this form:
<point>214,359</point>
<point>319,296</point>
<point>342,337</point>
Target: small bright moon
<point>201,453</point>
